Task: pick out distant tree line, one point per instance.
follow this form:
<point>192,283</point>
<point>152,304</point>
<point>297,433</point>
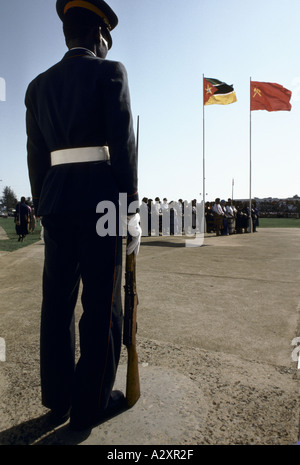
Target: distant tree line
<point>9,200</point>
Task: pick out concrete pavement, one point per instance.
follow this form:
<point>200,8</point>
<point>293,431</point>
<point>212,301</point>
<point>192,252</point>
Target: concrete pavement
<point>215,328</point>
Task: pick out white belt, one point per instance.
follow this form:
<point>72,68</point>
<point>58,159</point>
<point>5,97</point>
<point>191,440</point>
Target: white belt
<point>79,155</point>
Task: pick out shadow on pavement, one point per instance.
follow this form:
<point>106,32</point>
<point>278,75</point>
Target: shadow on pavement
<point>158,243</point>
<point>39,431</point>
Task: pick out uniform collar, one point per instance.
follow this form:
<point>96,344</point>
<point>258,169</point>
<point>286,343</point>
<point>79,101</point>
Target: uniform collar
<point>79,51</point>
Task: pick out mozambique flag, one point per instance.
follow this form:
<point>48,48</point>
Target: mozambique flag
<point>217,92</point>
<point>269,96</point>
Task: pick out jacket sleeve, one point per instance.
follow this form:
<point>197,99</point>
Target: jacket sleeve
<point>38,156</point>
<point>120,132</point>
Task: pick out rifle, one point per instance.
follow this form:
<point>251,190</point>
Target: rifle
<point>130,321</point>
<point>130,330</point>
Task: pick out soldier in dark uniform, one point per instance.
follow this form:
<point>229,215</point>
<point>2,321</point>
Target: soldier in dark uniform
<point>81,151</point>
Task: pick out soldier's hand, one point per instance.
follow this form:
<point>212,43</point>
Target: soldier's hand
<point>135,233</point>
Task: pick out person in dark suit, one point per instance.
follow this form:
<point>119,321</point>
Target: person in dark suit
<point>81,151</point>
<point>22,218</point>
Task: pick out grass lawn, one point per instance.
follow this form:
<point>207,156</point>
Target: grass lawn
<point>279,223</point>
<point>11,244</point>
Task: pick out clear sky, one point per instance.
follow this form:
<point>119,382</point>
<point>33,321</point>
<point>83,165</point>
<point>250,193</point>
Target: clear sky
<point>167,46</point>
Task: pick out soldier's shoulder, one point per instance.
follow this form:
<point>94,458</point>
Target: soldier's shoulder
<point>114,66</point>
<point>40,77</point>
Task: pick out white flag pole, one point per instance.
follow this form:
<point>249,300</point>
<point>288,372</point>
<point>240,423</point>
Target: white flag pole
<point>137,134</point>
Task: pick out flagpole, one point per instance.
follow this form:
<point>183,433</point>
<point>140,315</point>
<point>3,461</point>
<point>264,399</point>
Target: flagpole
<point>250,166</point>
<point>137,134</point>
<point>203,150</point>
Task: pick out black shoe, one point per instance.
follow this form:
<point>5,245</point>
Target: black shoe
<point>116,405</point>
<point>58,417</point>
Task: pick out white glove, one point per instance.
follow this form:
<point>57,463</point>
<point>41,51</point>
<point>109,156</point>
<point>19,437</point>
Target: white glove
<point>135,232</point>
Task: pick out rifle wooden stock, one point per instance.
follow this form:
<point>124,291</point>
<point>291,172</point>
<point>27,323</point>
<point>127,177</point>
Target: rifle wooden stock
<point>129,333</point>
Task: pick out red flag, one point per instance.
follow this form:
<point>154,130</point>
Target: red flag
<point>270,97</point>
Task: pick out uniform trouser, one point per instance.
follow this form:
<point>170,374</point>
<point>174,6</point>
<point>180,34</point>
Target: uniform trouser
<point>73,250</point>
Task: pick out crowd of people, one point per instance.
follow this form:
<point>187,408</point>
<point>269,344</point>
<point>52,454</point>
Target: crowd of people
<point>180,217</point>
<point>171,218</point>
<point>279,208</point>
<point>225,218</point>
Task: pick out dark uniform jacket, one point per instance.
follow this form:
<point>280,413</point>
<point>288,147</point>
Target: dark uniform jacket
<point>82,101</point>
